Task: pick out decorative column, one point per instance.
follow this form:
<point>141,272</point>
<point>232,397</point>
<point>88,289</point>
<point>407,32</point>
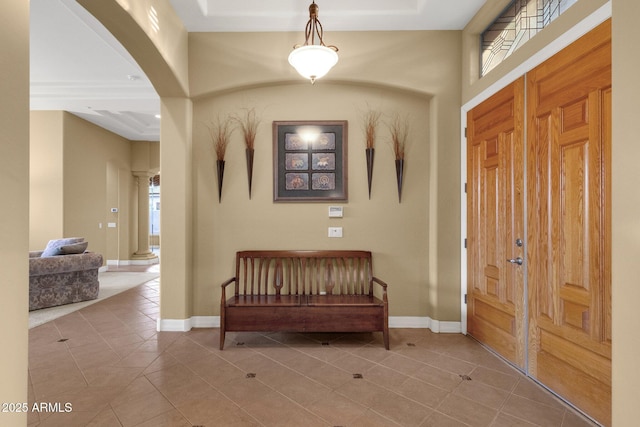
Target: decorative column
<point>143,252</point>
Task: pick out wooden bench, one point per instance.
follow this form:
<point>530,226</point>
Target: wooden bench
<point>304,291</point>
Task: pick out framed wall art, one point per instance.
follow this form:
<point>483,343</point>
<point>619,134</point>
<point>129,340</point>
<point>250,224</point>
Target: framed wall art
<point>310,161</point>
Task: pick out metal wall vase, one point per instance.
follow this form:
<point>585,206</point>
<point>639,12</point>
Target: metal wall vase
<point>399,176</point>
<point>220,169</point>
<point>369,153</point>
<point>249,153</point>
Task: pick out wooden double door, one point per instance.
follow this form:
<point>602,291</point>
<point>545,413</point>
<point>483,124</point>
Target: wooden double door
<point>538,203</point>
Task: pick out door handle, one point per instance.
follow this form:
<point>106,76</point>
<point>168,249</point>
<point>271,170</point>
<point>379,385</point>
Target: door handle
<point>516,260</point>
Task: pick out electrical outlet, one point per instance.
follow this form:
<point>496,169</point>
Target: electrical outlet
<point>335,231</point>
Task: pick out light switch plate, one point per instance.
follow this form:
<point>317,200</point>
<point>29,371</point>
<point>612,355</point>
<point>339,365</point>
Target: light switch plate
<point>335,231</point>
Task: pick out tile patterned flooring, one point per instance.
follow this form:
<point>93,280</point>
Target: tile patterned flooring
<point>110,364</point>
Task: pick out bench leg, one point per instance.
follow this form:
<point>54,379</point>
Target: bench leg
<point>385,336</point>
<point>385,328</point>
<point>222,329</point>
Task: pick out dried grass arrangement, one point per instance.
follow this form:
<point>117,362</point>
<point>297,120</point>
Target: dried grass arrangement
<point>248,124</point>
<point>399,130</point>
<point>220,130</point>
<point>370,121</point>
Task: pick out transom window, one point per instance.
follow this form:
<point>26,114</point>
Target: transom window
<point>520,21</point>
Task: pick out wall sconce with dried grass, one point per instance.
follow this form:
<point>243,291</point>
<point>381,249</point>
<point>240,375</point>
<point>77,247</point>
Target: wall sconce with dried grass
<point>399,131</point>
<point>248,124</point>
<point>220,130</point>
<point>370,120</point>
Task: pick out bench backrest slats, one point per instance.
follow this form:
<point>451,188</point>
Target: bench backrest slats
<point>304,273</point>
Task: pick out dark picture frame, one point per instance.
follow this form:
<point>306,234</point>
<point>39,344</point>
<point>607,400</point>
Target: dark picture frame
<point>310,161</point>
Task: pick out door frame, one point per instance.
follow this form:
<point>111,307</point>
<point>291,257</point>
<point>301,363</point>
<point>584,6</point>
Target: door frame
<point>581,28</point>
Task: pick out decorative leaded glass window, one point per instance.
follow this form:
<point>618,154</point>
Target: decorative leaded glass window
<point>520,21</point>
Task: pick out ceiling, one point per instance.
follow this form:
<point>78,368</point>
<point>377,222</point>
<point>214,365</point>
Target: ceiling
<point>79,67</point>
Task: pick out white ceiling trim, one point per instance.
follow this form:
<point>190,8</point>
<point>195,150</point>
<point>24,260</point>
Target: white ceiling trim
<point>131,125</point>
<point>140,123</point>
<point>95,89</point>
<point>336,15</point>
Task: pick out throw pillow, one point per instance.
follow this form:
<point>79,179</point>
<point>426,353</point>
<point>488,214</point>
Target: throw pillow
<point>75,248</point>
<point>53,247</point>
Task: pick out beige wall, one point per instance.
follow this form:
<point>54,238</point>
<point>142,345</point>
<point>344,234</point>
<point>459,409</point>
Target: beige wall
<point>416,244</point>
<point>81,171</point>
<point>14,215</point>
<point>145,156</point>
<point>90,152</point>
<point>223,63</point>
<point>397,233</point>
<point>419,61</point>
<point>177,210</point>
<point>46,185</point>
<point>626,208</point>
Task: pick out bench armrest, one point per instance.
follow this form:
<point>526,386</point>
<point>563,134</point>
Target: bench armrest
<point>384,288</point>
<point>224,288</point>
<point>228,282</point>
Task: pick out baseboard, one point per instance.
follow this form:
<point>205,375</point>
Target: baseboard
<point>437,326</point>
<point>174,325</point>
<point>205,321</point>
<point>123,262</point>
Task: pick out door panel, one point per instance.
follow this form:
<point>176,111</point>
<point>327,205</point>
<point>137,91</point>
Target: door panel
<point>495,197</point>
<point>568,253</point>
<point>569,110</point>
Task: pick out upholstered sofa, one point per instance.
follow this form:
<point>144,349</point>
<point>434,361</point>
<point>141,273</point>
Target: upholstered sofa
<point>63,273</point>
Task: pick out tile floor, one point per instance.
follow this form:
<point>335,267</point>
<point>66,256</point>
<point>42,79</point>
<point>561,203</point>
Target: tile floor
<point>109,363</point>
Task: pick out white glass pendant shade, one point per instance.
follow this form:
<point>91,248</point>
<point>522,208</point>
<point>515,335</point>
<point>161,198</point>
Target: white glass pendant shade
<point>313,61</point>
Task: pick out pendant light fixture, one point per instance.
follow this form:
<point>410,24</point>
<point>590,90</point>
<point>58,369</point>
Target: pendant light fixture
<point>313,59</point>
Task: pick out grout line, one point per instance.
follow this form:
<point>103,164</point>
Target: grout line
<point>138,297</point>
